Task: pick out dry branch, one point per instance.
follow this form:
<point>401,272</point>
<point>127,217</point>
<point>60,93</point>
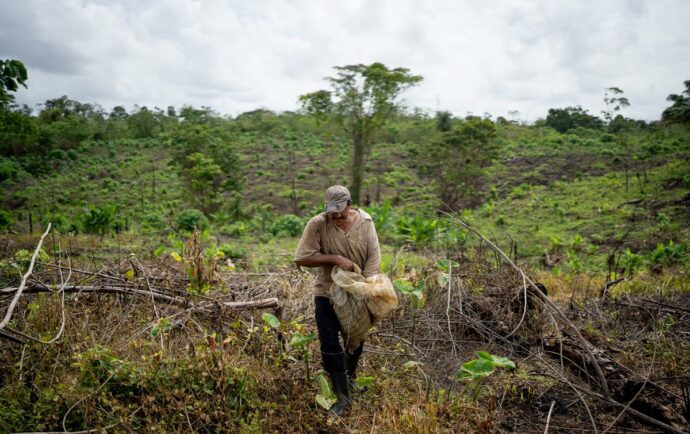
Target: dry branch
<point>252,304</point>
<point>19,290</point>
<point>547,302</point>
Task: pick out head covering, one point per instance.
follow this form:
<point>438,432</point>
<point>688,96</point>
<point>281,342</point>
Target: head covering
<point>336,198</point>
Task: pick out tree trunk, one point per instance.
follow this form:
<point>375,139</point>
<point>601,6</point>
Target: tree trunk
<point>357,166</point>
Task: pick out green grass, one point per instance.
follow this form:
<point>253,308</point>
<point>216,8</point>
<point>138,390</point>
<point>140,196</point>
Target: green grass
<point>595,208</point>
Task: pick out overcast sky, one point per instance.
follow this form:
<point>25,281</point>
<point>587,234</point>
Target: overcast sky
<point>234,56</point>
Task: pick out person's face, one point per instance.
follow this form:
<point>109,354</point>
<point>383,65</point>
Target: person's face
<point>340,218</point>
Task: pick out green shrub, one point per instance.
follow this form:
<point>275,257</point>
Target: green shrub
<point>607,138</point>
<point>8,169</point>
<point>663,221</point>
<point>233,252</point>
<point>631,262</point>
<point>670,254</point>
<point>418,229</point>
<point>57,154</point>
<point>72,155</point>
<point>380,215</point>
<point>287,225</point>
<point>153,221</point>
<point>121,225</point>
<point>5,220</point>
<point>59,222</point>
<point>236,230</point>
<point>99,219</point>
<point>109,184</point>
<point>520,191</point>
<point>190,219</point>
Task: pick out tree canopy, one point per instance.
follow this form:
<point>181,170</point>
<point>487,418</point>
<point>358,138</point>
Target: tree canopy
<point>12,75</point>
<point>455,161</point>
<point>679,112</point>
<point>564,119</point>
<point>361,99</point>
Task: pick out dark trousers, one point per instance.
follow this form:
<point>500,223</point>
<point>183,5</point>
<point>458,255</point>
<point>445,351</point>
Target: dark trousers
<point>335,360</point>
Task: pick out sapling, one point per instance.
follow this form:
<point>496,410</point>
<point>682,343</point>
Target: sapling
<point>475,370</point>
<point>298,341</point>
<point>415,292</point>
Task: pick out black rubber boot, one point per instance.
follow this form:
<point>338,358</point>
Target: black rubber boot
<point>342,391</point>
<point>351,361</point>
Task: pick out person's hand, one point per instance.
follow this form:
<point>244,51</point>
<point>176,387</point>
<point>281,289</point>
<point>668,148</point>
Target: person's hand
<point>345,263</point>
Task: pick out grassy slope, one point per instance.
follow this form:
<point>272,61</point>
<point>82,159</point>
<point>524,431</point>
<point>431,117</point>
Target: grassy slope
<point>547,188</point>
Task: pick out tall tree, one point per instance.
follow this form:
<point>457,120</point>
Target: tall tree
<point>12,75</point>
<point>361,99</point>
<point>457,159</point>
<point>615,102</point>
<point>17,128</point>
<point>680,110</point>
<point>444,121</point>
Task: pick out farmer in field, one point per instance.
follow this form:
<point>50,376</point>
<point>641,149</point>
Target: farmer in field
<point>340,236</point>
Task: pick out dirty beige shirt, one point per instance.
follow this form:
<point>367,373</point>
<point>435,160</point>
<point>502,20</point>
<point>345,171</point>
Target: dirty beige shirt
<point>360,245</point>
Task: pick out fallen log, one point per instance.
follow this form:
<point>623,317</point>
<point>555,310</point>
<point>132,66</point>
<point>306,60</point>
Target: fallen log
<point>179,301</point>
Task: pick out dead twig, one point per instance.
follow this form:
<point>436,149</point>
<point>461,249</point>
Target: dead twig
<point>670,306</point>
<point>252,304</point>
<point>548,417</point>
<point>19,290</point>
<point>605,289</point>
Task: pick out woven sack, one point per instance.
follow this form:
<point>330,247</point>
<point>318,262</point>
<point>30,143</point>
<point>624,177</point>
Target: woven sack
<point>352,312</point>
<point>360,301</point>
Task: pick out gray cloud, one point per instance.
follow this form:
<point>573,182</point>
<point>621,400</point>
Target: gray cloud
<point>479,56</point>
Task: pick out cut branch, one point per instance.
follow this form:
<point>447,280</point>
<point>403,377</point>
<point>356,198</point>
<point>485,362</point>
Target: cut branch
<point>19,290</point>
<point>251,304</point>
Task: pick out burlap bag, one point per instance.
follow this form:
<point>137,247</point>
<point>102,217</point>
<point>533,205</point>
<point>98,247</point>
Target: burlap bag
<point>359,302</point>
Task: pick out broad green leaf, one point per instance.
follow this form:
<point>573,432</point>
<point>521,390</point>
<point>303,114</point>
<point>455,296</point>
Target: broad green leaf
<point>484,355</point>
<point>503,362</point>
<point>299,340</point>
<point>271,320</point>
<point>325,402</point>
<point>364,381</point>
<point>403,286</point>
<point>444,264</point>
<point>497,361</point>
<point>324,387</point>
<point>325,398</point>
<point>476,368</point>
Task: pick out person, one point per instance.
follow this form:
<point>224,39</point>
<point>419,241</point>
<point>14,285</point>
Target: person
<point>340,236</point>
